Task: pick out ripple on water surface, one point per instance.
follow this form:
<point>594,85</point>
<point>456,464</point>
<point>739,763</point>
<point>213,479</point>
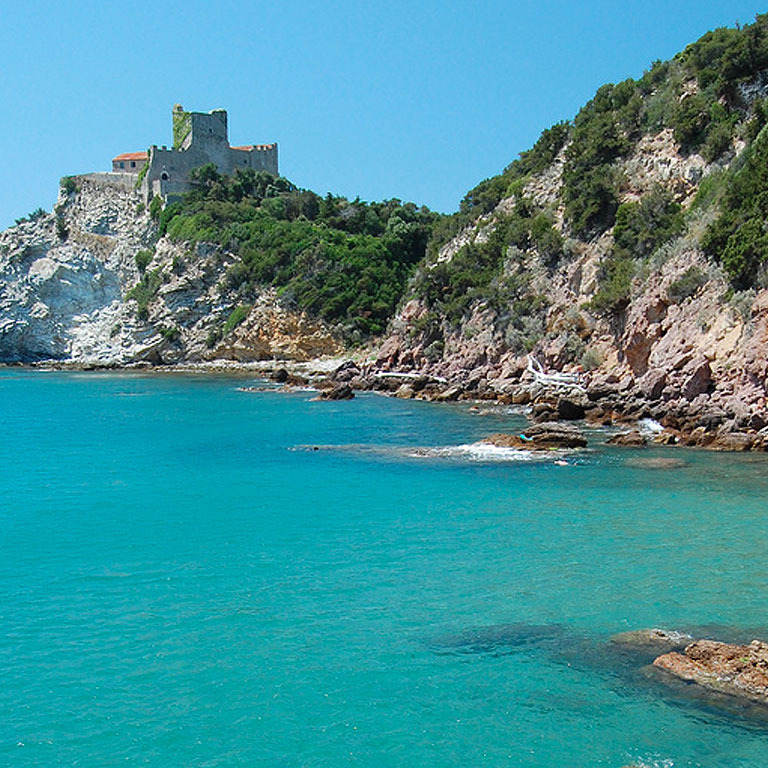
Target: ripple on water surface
<point>186,581</point>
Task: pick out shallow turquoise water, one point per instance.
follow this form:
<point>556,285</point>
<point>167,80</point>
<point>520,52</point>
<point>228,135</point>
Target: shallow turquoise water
<point>184,583</point>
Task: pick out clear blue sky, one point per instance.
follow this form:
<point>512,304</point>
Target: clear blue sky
<point>417,100</point>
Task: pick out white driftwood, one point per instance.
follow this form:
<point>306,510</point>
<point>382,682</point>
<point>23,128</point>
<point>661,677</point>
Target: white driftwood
<point>558,383</point>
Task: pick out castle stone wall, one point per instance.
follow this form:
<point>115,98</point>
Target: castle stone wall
<point>110,179</point>
<point>206,142</point>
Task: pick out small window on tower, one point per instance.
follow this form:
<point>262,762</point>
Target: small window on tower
<point>133,163</point>
<point>164,176</point>
<point>122,164</point>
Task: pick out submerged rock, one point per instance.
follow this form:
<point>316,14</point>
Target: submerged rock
<point>497,638</point>
<point>654,641</point>
<point>736,670</point>
<point>656,462</point>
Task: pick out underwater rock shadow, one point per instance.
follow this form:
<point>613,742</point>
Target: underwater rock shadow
<point>627,659</point>
<point>624,661</point>
<point>497,639</point>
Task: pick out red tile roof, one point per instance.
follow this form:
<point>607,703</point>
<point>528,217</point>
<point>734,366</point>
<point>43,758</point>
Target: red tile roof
<point>131,156</point>
<point>249,147</point>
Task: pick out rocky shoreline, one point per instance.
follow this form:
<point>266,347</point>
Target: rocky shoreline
<point>592,401</point>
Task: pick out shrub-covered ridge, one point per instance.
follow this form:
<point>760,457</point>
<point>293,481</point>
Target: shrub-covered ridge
<point>346,262</point>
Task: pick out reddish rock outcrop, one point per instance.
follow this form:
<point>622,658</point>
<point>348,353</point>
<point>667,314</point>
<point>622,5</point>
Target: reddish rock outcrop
<point>696,360</point>
<point>737,670</point>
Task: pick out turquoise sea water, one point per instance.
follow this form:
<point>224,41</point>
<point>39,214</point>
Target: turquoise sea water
<point>185,581</point>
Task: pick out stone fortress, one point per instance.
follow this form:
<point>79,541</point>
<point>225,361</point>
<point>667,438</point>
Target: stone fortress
<point>198,138</point>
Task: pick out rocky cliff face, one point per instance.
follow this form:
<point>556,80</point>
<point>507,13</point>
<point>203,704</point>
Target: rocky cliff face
<point>62,284</point>
<point>68,292</point>
<point>685,349</point>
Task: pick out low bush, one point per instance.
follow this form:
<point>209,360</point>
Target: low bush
<point>687,284</point>
<point>68,184</point>
<point>145,291</point>
<point>155,207</point>
<point>62,231</point>
<point>213,338</point>
<point>236,317</point>
<point>140,178</point>
<point>615,284</point>
<point>170,333</point>
<point>642,226</point>
<point>38,213</point>
<point>143,258</point>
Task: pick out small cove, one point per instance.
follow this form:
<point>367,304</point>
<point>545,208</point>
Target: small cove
<point>182,582</point>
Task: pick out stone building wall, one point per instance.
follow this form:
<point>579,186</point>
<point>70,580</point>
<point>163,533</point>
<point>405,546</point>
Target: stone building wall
<point>126,181</point>
<point>130,162</point>
<point>206,141</point>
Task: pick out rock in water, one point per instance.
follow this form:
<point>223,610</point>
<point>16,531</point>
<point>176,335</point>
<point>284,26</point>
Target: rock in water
<point>540,437</point>
<point>552,434</point>
<point>339,392</point>
<point>651,641</point>
<point>632,439</point>
<point>737,670</point>
<point>656,462</point>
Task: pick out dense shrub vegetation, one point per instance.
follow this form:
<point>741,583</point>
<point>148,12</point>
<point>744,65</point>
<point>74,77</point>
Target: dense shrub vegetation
<point>604,130</point>
<point>738,238</point>
<point>643,226</point>
<point>493,274</point>
<point>345,262</point>
<point>349,262</point>
<point>722,58</point>
<point>143,257</point>
<point>705,119</point>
